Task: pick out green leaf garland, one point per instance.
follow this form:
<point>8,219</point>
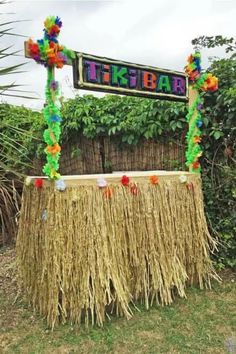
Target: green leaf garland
<point>199,82</point>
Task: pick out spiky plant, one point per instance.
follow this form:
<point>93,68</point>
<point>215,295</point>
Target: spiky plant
<point>10,164</point>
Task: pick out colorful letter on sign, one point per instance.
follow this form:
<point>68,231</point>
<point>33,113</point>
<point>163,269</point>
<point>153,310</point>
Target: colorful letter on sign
<point>102,74</point>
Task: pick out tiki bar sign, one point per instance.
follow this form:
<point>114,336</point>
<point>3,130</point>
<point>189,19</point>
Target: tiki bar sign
<point>103,74</point>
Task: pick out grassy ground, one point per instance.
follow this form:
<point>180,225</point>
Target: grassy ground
<point>204,323</point>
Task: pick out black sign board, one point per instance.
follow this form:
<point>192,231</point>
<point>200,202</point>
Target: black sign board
<point>107,75</point>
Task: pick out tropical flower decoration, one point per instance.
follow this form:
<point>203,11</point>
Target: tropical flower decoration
<point>108,192</point>
<point>27,181</point>
<point>199,82</point>
<point>183,178</point>
<point>48,51</point>
<point>153,180</point>
<point>38,183</point>
<point>51,54</point>
<point>125,181</point>
<point>60,185</point>
<point>190,186</point>
<point>134,188</point>
<point>101,182</point>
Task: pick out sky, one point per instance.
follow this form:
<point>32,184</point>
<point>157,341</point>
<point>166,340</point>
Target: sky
<point>150,32</point>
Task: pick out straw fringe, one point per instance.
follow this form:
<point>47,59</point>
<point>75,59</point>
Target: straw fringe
<point>96,255</point>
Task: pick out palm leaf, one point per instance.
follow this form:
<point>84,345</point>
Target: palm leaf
<point>10,22</point>
<point>4,54</point>
<point>10,69</point>
<point>13,156</point>
<point>7,33</point>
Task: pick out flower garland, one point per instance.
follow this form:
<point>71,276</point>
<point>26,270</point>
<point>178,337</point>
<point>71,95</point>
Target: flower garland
<point>51,54</point>
<point>199,82</point>
<point>107,190</point>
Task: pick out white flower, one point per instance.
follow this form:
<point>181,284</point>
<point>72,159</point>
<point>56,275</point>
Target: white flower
<point>27,181</point>
<point>60,185</point>
<point>101,182</point>
<point>183,178</point>
<point>44,215</point>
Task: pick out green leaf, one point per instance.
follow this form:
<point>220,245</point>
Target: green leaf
<point>217,134</point>
<point>179,124</point>
<point>205,121</point>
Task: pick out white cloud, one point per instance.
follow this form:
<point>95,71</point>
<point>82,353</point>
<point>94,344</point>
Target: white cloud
<point>152,32</point>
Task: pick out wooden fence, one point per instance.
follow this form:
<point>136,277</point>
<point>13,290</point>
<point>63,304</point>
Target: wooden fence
<point>106,154</point>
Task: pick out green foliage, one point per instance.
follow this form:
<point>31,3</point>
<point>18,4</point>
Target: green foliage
<point>129,119</point>
<point>219,143</point>
<point>10,89</point>
<point>19,134</point>
<point>17,126</point>
<point>215,41</point>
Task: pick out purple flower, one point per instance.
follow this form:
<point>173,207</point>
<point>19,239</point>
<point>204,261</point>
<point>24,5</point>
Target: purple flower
<point>58,22</point>
<point>200,106</point>
<point>54,85</point>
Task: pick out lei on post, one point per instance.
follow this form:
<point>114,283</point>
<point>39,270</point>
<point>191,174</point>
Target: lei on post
<point>51,54</point>
<point>199,82</point>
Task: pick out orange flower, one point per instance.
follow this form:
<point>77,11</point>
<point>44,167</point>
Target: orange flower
<point>189,186</point>
<point>197,139</point>
<point>108,192</point>
<point>196,165</point>
<point>134,188</point>
<point>50,53</point>
<point>153,179</point>
<point>53,149</point>
<point>59,64</point>
<point>211,83</point>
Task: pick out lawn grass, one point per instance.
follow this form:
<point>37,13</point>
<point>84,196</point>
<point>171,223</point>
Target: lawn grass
<point>205,322</point>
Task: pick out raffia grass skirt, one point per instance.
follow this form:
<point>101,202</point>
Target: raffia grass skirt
<point>83,255</point>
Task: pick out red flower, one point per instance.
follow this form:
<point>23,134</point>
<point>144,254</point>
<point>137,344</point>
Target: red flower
<point>38,183</point>
<point>52,45</point>
<point>51,61</point>
<point>33,48</point>
<point>54,30</point>
<point>196,165</point>
<point>125,180</point>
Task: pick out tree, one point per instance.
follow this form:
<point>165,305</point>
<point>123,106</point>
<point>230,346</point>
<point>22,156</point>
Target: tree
<point>215,41</point>
<point>219,163</point>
